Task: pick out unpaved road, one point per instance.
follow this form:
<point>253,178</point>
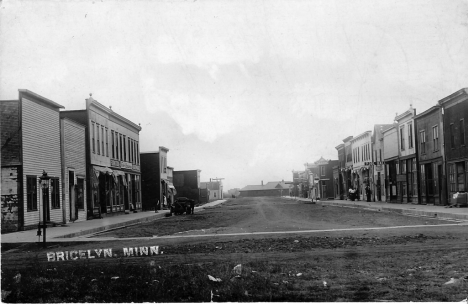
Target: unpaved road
<point>265,214</point>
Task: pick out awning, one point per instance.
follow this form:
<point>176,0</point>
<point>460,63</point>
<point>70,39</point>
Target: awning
<point>120,173</point>
<point>172,188</point>
<point>103,170</point>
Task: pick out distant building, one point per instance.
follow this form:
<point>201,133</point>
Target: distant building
<point>407,183</point>
<point>455,116</point>
<point>187,183</point>
<point>214,190</point>
<point>362,159</point>
<point>324,171</point>
<point>378,167</point>
<point>390,151</point>
<point>269,189</point>
<point>154,175</point>
<point>234,192</point>
<point>429,129</point>
<point>30,140</point>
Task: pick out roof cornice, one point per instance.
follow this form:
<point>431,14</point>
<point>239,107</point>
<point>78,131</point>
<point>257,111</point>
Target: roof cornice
<point>458,93</point>
<point>41,98</point>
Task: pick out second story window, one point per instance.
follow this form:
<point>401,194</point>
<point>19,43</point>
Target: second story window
<point>124,149</point>
<point>410,135</point>
<point>94,147</point>
<point>138,154</point>
<point>113,144</point>
<point>120,145</point>
<point>462,132</point>
<point>452,136</point>
<point>102,140</point>
<point>422,140</point>
<point>322,170</point>
<point>435,137</point>
<point>107,144</point>
<point>402,138</point>
<point>97,136</point>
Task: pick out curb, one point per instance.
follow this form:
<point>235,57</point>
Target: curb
<point>113,226</point>
<point>441,215</point>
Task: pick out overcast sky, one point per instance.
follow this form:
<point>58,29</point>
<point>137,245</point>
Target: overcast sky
<point>244,90</point>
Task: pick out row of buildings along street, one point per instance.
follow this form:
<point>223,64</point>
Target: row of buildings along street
<point>91,161</point>
<point>418,158</point>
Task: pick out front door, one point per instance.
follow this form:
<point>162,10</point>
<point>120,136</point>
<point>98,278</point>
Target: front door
<point>379,186</point>
<point>324,191</point>
<point>439,182</point>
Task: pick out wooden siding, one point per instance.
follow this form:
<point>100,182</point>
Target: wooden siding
<point>390,144</point>
<point>453,114</point>
<point>10,134</point>
<point>74,159</point>
<point>41,151</point>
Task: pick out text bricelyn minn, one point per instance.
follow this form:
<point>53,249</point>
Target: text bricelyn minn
<point>100,253</point>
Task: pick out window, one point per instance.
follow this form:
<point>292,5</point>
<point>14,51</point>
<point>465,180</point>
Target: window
<point>452,136</point>
<point>402,138</point>
<point>107,144</point>
<point>94,148</point>
<point>462,132</point>
<point>80,193</point>
<point>97,137</point>
<point>117,145</point>
<point>435,138</point>
<point>452,177</point>
<point>322,170</point>
<point>121,154</point>
<point>460,176</point>
<point>55,191</point>
<point>124,149</point>
<point>138,153</point>
<point>31,192</point>
<point>102,140</point>
<point>129,150</point>
<point>403,167</point>
<point>113,145</point>
<point>423,182</point>
<point>422,141</point>
<point>410,135</point>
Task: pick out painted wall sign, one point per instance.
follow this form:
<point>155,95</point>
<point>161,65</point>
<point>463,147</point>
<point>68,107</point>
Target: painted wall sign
<point>115,163</point>
<point>126,165</point>
<point>73,255</point>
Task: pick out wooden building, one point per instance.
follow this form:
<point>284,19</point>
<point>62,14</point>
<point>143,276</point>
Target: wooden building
<point>112,160</point>
<point>277,189</point>
<point>30,140</point>
<point>378,170</point>
<point>390,152</point>
<point>455,118</point>
<point>214,190</point>
<point>155,183</point>
<point>429,130</point>
<point>187,183</point>
<point>407,183</point>
<point>362,158</point>
<point>73,151</point>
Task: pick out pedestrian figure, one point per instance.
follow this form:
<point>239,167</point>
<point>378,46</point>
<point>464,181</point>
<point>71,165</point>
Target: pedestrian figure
<point>313,195</point>
<point>192,206</point>
<point>352,194</point>
<point>368,193</point>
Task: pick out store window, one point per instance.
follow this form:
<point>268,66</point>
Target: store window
<point>55,191</point>
<point>460,176</point>
<point>452,177</point>
<point>31,192</point>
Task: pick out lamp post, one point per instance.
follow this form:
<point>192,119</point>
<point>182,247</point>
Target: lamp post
<point>45,200</point>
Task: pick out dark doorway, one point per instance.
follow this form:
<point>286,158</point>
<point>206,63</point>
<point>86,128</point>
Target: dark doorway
<point>379,190</point>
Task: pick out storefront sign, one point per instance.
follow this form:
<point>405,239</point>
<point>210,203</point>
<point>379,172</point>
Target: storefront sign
<point>115,163</point>
<point>126,165</point>
<point>74,255</point>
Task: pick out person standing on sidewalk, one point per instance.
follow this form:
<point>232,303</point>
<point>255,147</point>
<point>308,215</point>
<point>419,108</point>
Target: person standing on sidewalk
<point>368,193</point>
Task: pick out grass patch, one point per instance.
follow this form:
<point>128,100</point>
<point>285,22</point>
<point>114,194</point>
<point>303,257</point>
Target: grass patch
<point>390,277</point>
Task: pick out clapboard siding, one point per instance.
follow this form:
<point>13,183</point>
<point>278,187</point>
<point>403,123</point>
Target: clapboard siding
<point>74,159</point>
<point>41,151</point>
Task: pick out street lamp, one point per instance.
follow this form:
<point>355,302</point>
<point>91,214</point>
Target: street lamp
<point>45,200</point>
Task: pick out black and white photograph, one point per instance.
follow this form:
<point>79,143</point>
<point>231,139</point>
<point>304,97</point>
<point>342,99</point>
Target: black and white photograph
<point>188,151</point>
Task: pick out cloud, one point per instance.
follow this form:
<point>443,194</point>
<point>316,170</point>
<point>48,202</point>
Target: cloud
<point>207,118</point>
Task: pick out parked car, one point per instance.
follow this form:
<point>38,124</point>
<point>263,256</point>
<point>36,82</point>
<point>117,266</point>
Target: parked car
<point>181,205</point>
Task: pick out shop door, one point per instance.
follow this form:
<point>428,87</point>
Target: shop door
<point>439,184</point>
<point>324,191</point>
<point>379,187</point>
